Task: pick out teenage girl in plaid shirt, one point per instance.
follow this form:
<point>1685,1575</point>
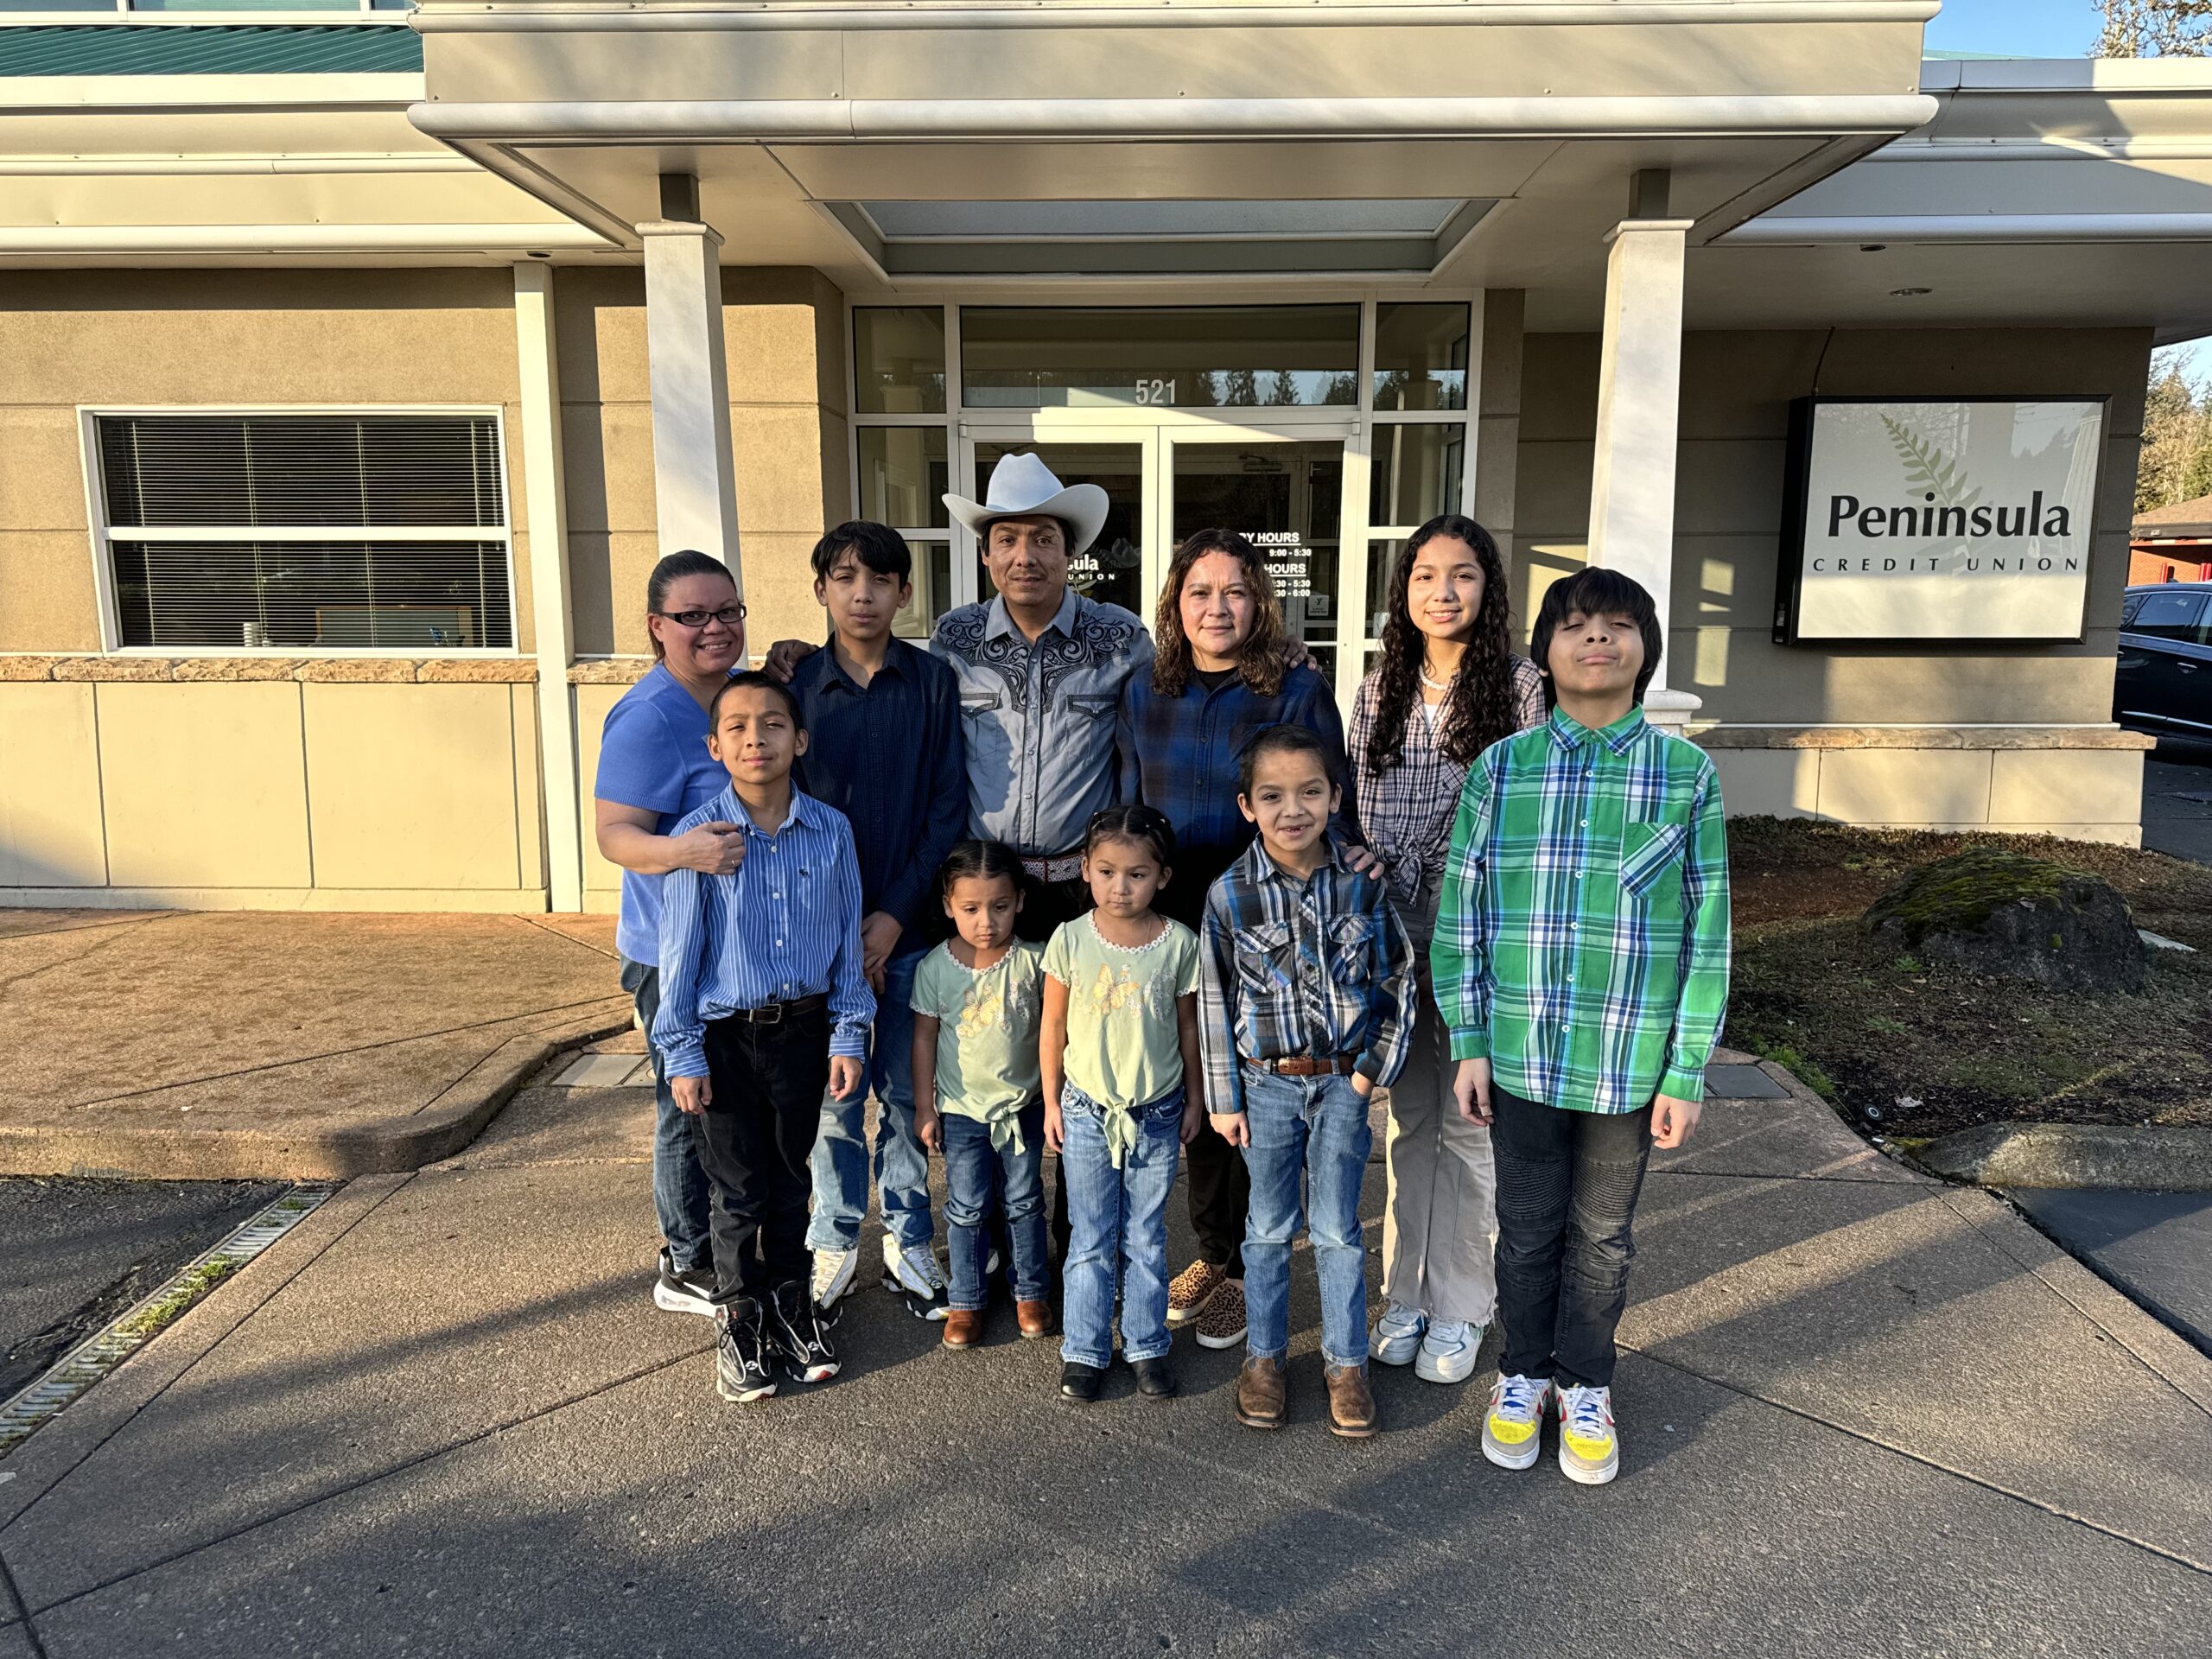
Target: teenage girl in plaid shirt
<point>1447,687</point>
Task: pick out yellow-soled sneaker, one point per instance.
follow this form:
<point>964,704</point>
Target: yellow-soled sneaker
<point>1513,1432</point>
<point>1589,1449</point>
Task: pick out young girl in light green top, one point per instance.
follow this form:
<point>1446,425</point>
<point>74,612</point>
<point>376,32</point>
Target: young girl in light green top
<point>1120,1039</point>
<point>977,1001</point>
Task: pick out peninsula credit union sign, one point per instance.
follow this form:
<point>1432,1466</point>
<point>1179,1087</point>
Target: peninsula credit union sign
<point>1921,518</point>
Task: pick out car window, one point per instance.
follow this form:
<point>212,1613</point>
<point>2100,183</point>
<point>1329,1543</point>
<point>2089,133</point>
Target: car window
<point>2128,607</point>
<point>2169,616</point>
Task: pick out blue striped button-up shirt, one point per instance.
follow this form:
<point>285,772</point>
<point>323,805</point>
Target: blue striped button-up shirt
<point>786,924</point>
<point>1289,967</point>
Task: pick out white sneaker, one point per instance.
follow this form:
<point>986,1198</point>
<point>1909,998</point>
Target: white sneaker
<point>1589,1449</point>
<point>914,1273</point>
<point>1447,1352</point>
<point>1397,1335</point>
<point>833,1275</point>
<point>1513,1432</point>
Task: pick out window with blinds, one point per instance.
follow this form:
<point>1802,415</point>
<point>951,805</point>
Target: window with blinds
<point>307,532</point>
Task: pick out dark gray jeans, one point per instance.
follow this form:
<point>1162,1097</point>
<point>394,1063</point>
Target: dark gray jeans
<point>1566,1190</point>
<point>681,1195</point>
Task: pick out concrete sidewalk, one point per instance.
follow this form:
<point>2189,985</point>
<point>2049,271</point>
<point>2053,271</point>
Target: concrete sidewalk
<point>1864,1413</point>
<point>257,1044</point>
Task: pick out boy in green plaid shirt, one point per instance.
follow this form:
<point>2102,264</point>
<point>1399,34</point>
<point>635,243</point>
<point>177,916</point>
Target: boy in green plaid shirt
<point>1581,965</point>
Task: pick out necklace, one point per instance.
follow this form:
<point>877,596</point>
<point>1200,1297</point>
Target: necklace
<point>1433,685</point>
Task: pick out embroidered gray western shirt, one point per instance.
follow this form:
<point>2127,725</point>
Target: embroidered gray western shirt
<point>1041,717</point>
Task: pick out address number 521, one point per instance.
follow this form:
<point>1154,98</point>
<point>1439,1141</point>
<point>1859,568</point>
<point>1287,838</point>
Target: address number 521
<point>1155,392</point>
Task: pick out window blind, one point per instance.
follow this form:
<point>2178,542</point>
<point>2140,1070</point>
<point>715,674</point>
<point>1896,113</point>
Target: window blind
<point>308,532</point>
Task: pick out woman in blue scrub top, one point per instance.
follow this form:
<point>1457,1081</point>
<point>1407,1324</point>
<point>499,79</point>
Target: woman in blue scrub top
<point>653,769</point>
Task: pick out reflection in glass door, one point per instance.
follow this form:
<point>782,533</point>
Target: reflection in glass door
<point>1112,570</point>
<point>1288,498</point>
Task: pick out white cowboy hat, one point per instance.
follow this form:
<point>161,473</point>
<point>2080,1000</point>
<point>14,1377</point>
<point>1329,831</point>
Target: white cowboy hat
<point>1022,486</point>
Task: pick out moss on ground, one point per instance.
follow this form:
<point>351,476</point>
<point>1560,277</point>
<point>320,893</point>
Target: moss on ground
<point>1880,1027</point>
<point>195,1283</point>
<point>1959,893</point>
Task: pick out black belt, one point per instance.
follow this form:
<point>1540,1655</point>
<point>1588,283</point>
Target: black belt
<point>1308,1065</point>
<point>774,1014</point>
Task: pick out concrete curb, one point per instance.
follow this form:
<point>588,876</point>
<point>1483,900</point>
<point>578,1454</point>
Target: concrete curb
<point>382,1145</point>
<point>2176,1159</point>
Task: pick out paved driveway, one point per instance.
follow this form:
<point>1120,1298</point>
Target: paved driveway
<point>1865,1414</point>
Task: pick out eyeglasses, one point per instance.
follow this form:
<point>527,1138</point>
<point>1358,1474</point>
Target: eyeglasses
<point>729,616</point>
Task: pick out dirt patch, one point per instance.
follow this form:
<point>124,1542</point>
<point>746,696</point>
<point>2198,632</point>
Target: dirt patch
<point>1908,1049</point>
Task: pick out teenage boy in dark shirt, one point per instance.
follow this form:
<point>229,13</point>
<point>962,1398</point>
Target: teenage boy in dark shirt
<point>884,749</point>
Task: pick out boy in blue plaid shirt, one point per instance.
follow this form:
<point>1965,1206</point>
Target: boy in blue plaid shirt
<point>1306,1005</point>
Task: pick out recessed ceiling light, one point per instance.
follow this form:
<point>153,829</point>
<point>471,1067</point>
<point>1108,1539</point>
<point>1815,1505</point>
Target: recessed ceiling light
<point>1872,247</point>
<point>1909,293</point>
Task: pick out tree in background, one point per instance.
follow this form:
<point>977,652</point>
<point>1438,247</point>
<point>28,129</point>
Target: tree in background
<point>2176,460</point>
<point>2156,28</point>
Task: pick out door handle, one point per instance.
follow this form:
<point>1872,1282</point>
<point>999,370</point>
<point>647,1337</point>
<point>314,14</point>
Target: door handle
<point>2186,668</point>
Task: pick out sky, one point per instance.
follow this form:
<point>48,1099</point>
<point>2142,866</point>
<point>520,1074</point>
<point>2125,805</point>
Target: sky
<point>2036,28</point>
<point>2017,29</point>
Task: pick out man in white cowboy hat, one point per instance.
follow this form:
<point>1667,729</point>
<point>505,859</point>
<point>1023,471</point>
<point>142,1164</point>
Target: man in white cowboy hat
<point>1041,669</point>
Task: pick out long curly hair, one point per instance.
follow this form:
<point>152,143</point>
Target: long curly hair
<point>1259,662</point>
<point>1480,709</point>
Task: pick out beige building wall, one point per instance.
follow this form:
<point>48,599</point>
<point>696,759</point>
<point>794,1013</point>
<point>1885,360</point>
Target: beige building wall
<point>380,783</point>
<point>784,334</point>
<point>1737,388</point>
<point>225,339</point>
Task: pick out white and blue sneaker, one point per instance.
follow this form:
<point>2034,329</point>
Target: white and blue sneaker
<point>1397,1335</point>
<point>914,1273</point>
<point>1513,1432</point>
<point>833,1275</point>
<point>1447,1352</point>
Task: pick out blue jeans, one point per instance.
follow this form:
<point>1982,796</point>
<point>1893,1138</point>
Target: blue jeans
<point>841,1161</point>
<point>975,1175</point>
<point>682,1196</point>
<point>1117,1213</point>
<point>1317,1128</point>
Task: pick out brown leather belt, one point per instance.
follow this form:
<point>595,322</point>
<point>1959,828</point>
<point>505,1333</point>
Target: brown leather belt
<point>1308,1065</point>
<point>774,1014</point>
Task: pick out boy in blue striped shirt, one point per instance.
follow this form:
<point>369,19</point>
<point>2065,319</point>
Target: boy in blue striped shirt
<point>764,1004</point>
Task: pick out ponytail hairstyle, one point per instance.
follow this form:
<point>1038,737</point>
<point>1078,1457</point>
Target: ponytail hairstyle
<point>1259,659</point>
<point>987,859</point>
<point>671,569</point>
<point>1480,709</point>
<point>1145,825</point>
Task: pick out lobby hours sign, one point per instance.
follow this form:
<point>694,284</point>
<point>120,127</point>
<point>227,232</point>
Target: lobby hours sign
<point>1920,518</point>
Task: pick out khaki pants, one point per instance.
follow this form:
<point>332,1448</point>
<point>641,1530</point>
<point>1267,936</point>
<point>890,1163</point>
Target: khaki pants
<point>1439,1228</point>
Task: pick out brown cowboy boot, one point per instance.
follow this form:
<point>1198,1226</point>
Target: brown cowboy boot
<point>1035,1319</point>
<point>964,1327</point>
<point>1260,1394</point>
<point>1351,1402</point>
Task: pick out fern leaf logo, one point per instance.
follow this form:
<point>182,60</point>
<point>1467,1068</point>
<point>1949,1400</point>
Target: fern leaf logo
<point>1927,469</point>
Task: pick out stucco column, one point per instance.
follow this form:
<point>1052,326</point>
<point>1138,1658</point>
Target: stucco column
<point>545,506</point>
<point>695,489</point>
<point>1639,403</point>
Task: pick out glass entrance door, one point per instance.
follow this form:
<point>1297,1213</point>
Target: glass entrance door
<point>1287,495</point>
<point>1294,490</point>
<point>1112,570</point>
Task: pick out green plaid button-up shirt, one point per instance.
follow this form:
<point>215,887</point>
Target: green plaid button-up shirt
<point>1582,939</point>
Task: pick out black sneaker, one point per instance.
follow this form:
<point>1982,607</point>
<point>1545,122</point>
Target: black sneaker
<point>801,1333</point>
<point>744,1357</point>
<point>691,1291</point>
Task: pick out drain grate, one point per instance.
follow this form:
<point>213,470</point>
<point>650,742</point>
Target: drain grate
<point>69,1377</point>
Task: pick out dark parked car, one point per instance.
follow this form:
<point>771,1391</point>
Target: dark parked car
<point>2164,680</point>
